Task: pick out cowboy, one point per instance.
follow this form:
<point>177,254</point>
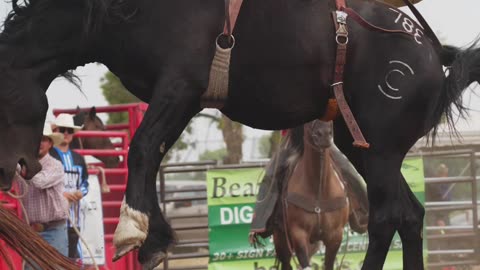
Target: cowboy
<point>278,171</point>
<point>76,177</point>
<point>45,207</point>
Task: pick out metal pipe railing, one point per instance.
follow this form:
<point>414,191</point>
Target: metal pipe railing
<point>473,171</point>
<point>463,231</point>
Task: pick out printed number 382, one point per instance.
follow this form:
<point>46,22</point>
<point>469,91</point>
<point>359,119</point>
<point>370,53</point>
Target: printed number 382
<point>408,25</point>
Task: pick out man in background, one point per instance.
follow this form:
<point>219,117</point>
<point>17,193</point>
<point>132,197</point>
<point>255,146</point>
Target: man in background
<point>439,192</point>
<point>45,207</point>
<point>75,180</point>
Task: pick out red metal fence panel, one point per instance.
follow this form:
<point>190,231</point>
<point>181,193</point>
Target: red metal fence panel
<point>116,179</point>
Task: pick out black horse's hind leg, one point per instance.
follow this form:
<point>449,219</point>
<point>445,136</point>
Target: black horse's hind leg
<point>393,207</point>
<point>386,209</point>
<point>141,221</point>
<point>380,235</point>
<point>411,230</point>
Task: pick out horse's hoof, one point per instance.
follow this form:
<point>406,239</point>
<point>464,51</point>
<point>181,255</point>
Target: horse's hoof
<point>131,230</point>
<point>156,260</point>
<point>122,251</point>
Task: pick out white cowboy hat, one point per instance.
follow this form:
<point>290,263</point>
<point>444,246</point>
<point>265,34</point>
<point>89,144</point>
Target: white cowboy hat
<point>66,120</point>
<point>56,137</point>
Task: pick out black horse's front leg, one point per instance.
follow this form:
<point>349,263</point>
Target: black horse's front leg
<point>142,224</point>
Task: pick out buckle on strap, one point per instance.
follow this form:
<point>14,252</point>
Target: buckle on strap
<point>342,32</point>
<point>340,21</point>
<point>337,83</point>
<point>341,17</point>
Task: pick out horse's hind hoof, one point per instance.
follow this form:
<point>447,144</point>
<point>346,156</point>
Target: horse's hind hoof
<point>154,261</point>
<point>122,251</point>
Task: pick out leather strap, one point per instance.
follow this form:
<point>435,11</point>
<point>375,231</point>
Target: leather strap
<point>232,9</point>
<point>41,227</point>
<point>313,206</point>
<point>360,20</point>
<point>340,22</point>
<point>358,139</point>
<point>430,33</point>
<point>217,89</point>
<point>341,4</point>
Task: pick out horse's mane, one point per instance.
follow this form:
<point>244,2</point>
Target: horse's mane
<point>96,14</point>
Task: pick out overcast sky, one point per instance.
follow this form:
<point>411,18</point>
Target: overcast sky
<point>457,22</point>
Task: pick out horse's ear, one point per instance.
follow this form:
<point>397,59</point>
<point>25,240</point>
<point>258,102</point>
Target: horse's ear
<point>92,113</point>
<point>78,109</point>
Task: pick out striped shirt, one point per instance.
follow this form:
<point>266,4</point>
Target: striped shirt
<point>75,178</point>
<point>44,201</point>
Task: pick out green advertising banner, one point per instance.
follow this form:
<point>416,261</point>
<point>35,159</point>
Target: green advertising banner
<point>231,201</point>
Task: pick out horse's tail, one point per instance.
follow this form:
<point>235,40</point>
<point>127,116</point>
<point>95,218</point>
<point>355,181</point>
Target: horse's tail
<point>29,244</point>
<point>463,68</point>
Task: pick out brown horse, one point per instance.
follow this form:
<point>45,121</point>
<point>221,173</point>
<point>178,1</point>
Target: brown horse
<point>314,203</point>
<point>91,121</point>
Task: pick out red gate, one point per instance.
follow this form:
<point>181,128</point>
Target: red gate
<point>116,178</point>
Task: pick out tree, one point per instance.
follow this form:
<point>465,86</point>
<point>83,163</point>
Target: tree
<point>116,93</point>
<point>233,137</point>
<point>269,144</point>
<point>218,154</point>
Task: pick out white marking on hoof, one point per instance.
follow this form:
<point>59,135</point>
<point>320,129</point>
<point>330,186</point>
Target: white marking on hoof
<point>307,268</point>
<point>131,230</point>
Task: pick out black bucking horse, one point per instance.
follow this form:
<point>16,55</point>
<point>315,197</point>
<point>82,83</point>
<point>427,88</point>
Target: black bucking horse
<point>281,76</point>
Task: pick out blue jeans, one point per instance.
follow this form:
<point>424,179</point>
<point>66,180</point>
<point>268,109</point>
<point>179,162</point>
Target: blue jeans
<point>57,238</point>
